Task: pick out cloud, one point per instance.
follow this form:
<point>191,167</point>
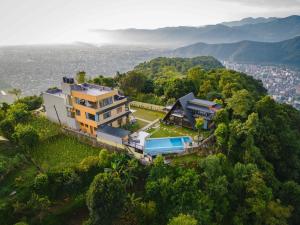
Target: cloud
<point>268,3</point>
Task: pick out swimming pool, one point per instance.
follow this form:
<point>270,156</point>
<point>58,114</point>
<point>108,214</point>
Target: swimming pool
<point>156,146</point>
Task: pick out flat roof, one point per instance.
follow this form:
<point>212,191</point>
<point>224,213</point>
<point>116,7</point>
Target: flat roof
<point>94,91</point>
<point>55,92</point>
<point>91,89</point>
<point>114,131</point>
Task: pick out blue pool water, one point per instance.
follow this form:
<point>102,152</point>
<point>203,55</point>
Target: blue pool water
<point>155,146</point>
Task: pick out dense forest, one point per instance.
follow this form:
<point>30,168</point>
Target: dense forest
<point>253,178</point>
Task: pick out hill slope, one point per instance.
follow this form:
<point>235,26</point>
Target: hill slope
<point>275,30</point>
<point>249,20</point>
<point>285,52</point>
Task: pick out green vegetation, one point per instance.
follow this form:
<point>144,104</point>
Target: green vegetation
<point>252,179</point>
<point>147,114</point>
<point>186,160</point>
<point>173,131</point>
<point>81,77</point>
<point>61,152</point>
<point>32,102</point>
<point>162,80</point>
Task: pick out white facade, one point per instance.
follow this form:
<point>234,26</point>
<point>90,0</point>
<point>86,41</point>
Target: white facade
<point>57,109</point>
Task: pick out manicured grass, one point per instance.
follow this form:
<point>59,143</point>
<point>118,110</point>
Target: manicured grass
<point>61,152</point>
<point>147,114</point>
<point>141,124</point>
<point>171,131</point>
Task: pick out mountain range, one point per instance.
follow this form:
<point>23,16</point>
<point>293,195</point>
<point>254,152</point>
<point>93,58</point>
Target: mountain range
<point>259,29</point>
<point>284,52</point>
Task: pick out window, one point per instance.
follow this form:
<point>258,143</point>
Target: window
<point>77,112</point>
<point>106,115</point>
<point>70,113</point>
<point>106,102</point>
<point>90,116</point>
<point>119,109</point>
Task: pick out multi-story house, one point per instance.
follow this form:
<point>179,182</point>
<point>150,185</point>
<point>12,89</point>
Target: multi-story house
<point>86,107</point>
<point>187,108</point>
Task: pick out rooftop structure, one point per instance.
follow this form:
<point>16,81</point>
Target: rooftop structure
<point>88,106</point>
<point>187,108</point>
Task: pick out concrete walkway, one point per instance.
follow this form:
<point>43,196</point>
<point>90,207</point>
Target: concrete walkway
<point>151,124</point>
<point>146,121</point>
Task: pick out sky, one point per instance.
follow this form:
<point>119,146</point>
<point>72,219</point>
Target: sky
<point>67,21</point>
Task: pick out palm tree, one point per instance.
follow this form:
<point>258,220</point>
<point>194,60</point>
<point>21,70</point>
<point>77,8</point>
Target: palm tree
<point>16,92</point>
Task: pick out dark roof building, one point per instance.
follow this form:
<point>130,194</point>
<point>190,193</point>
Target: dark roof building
<point>187,108</point>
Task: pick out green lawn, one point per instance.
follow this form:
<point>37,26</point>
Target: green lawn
<point>171,131</point>
<point>147,114</point>
<point>61,151</point>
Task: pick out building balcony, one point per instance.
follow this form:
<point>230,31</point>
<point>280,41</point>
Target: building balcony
<point>113,117</point>
<point>114,104</point>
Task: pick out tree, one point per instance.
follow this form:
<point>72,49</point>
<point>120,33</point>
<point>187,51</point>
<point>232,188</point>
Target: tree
<point>18,113</point>
<point>32,102</point>
<point>133,83</point>
<point>176,88</point>
<point>16,92</point>
<point>199,126</point>
<point>26,136</point>
<point>221,116</point>
<point>241,102</point>
<point>182,219</point>
<point>7,128</point>
<point>105,198</point>
<point>221,134</point>
<point>81,77</point>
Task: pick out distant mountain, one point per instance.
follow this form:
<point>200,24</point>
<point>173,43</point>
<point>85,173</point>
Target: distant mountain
<point>285,52</point>
<point>249,20</point>
<point>275,30</point>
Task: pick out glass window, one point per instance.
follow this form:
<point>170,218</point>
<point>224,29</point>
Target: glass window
<point>90,116</point>
<point>106,102</point>
<point>77,112</point>
<point>106,115</point>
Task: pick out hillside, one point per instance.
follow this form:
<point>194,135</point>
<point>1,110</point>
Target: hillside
<point>249,20</point>
<point>181,65</point>
<point>250,173</point>
<point>275,30</point>
<point>285,52</point>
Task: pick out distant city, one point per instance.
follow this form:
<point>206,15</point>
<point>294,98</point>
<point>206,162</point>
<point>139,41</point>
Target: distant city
<point>282,83</point>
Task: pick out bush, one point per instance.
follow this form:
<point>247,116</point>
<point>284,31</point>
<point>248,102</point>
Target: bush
<point>88,168</point>
<point>89,163</point>
<point>105,158</point>
<point>41,183</point>
<point>18,113</point>
<point>26,136</point>
<point>7,128</point>
<point>32,102</point>
<point>65,181</point>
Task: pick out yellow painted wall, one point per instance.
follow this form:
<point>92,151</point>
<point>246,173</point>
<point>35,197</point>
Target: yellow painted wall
<point>92,125</point>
